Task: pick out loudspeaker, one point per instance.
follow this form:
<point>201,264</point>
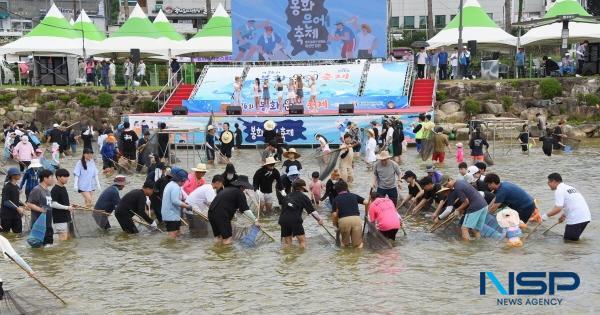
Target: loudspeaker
<point>135,55</point>
<point>234,110</point>
<point>296,109</point>
<point>346,108</point>
<point>472,45</point>
<point>179,110</point>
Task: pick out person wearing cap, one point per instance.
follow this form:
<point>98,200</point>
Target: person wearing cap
<point>291,157</point>
<point>12,208</point>
<point>263,180</point>
<point>40,201</point>
<point>61,207</point>
<point>289,178</point>
<point>387,176</point>
<point>413,189</point>
<point>226,140</point>
<point>108,151</point>
<point>194,180</point>
<point>31,176</point>
<point>330,187</point>
<point>55,135</point>
<point>108,201</point>
<point>222,209</point>
<point>382,212</point>
<point>571,203</point>
<point>346,216</point>
<point>370,156</point>
<point>143,158</point>
<point>24,152</point>
<point>344,34</point>
<point>269,133</point>
<point>172,202</point>
<point>428,194</point>
<point>86,177</point>
<point>200,199</point>
<point>128,143</point>
<point>210,144</point>
<point>434,174</point>
<point>512,196</point>
<point>269,151</point>
<point>134,204</point>
<point>290,218</point>
<point>473,205</point>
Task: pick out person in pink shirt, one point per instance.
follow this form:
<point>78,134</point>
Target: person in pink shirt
<point>383,213</point>
<point>23,152</point>
<point>195,179</point>
<point>316,187</point>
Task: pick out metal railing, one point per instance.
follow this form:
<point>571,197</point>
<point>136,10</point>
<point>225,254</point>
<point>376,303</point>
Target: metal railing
<point>408,78</point>
<point>165,94</point>
<point>200,79</point>
<point>435,83</point>
<point>364,77</point>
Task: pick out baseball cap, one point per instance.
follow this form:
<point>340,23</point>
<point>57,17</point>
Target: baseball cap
<point>408,174</point>
<point>481,165</point>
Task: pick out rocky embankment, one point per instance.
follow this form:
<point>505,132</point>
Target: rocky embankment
<point>575,99</point>
<point>50,105</point>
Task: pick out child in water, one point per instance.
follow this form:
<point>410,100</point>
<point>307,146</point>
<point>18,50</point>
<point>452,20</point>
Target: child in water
<point>316,187</point>
<point>460,154</point>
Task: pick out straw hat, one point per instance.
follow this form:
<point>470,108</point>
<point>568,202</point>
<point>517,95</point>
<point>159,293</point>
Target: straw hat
<point>35,163</point>
<point>384,155</point>
<point>226,137</point>
<point>210,127</point>
<point>371,132</point>
<point>269,125</point>
<point>200,167</point>
<point>270,160</point>
<point>507,218</point>
<point>291,151</point>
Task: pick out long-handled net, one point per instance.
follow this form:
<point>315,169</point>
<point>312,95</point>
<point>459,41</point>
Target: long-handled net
<point>374,240</point>
<point>38,303</point>
<point>327,162</point>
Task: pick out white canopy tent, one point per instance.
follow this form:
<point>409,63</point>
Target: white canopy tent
<point>477,25</point>
<point>213,40</point>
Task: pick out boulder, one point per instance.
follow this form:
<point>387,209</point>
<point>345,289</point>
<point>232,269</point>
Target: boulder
<point>493,107</point>
<point>16,101</point>
<point>29,109</point>
<point>2,111</point>
<point>450,107</point>
<point>462,134</point>
<point>573,132</point>
<point>460,125</point>
<point>457,117</point>
<point>446,128</point>
<point>439,116</point>
<point>14,115</point>
<point>28,116</point>
<point>529,114</point>
<point>29,94</point>
<point>484,116</point>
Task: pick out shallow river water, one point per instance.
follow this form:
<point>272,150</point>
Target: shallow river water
<point>423,273</point>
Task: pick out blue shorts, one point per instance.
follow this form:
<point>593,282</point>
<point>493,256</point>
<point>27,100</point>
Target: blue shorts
<point>475,220</point>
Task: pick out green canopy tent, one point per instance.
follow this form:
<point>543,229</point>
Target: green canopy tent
<point>213,40</point>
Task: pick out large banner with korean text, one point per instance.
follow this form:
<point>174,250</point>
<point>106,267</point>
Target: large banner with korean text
<point>308,29</point>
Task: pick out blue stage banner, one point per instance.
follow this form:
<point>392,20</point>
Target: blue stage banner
<point>295,130</point>
<point>308,29</point>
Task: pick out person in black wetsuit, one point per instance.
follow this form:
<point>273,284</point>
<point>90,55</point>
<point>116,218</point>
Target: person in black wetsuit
<point>210,144</point>
<point>290,218</point>
<point>163,141</point>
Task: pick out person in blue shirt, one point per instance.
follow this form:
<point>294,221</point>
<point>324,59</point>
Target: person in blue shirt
<point>520,62</point>
<point>346,36</point>
<point>443,64</point>
<point>510,195</point>
<point>172,202</point>
<point>267,43</point>
<point>108,201</point>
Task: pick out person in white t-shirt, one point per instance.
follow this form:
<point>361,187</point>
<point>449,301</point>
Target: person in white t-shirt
<point>574,208</point>
<point>421,63</point>
<point>454,63</point>
<point>200,200</point>
<point>366,42</point>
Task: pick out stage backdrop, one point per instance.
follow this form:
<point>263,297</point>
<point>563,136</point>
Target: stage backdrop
<point>336,84</point>
<point>308,29</point>
<point>296,130</point>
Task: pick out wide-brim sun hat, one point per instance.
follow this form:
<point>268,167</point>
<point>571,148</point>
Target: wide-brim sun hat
<point>270,160</point>
<point>200,167</point>
<point>384,155</point>
<point>227,137</point>
<point>269,125</point>
<point>290,152</point>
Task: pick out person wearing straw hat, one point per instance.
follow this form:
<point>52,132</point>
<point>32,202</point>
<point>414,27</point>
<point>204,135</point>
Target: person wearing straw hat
<point>222,209</point>
<point>269,133</point>
<point>263,180</point>
<point>290,218</point>
<point>61,207</point>
<point>134,204</point>
<point>195,180</point>
<point>12,208</point>
<point>371,147</point>
<point>387,176</point>
<point>291,160</point>
<point>226,140</point>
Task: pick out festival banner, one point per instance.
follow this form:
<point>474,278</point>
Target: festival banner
<point>216,88</point>
<point>296,130</point>
<point>308,29</point>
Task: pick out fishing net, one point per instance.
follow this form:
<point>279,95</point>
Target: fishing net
<point>571,143</point>
<point>17,304</point>
<point>373,239</point>
<point>87,223</point>
<point>198,226</point>
<point>326,162</point>
<point>249,234</point>
<point>427,146</point>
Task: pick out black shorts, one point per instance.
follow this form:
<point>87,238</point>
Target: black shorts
<point>172,226</point>
<point>293,229</point>
<point>574,231</point>
<point>390,234</point>
<point>525,214</point>
<point>107,164</point>
<point>11,224</point>
<point>221,227</point>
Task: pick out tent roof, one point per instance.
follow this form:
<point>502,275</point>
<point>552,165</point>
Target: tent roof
<point>477,25</point>
<point>552,33</point>
<point>90,31</point>
<point>164,27</point>
<point>566,7</point>
<point>218,25</point>
<point>54,24</point>
<point>137,25</point>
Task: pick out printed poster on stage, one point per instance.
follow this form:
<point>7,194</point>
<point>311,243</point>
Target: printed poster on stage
<point>308,29</point>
